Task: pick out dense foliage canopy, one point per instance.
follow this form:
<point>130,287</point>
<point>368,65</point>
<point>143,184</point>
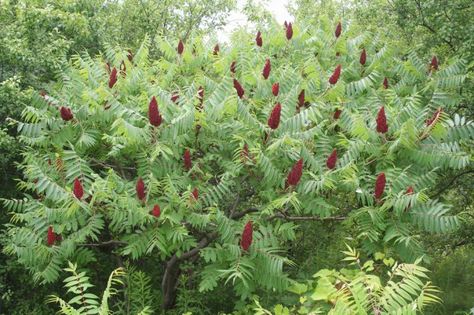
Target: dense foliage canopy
<point>201,169</point>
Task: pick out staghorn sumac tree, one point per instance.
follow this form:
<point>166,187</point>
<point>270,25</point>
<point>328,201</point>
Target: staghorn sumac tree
<point>218,160</point>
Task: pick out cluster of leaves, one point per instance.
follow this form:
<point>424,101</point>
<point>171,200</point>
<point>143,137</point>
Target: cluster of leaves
<point>256,156</point>
<point>360,290</point>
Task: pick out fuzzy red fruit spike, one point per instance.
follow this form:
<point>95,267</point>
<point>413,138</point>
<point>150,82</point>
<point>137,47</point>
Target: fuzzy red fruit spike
<point>130,55</point>
<point>247,236</point>
<point>332,159</point>
<point>180,47</point>
<point>195,194</point>
<point>78,190</point>
<point>338,30</point>
<point>140,188</point>
<point>433,120</point>
<point>409,191</point>
<point>379,186</point>
<point>51,237</point>
<point>187,160</point>
<point>232,66</point>
<point>154,115</point>
<point>274,119</point>
<point>301,99</point>
<point>289,31</point>
<point>238,87</point>
<point>258,39</point>
<point>174,97</point>
<point>385,83</point>
<point>113,78</point>
<point>337,113</point>
<point>294,175</point>
<point>216,49</point>
<point>335,75</point>
<point>434,63</point>
<point>382,126</point>
<point>66,113</point>
<point>156,212</point>
<point>275,88</point>
<point>266,69</point>
<point>363,57</point>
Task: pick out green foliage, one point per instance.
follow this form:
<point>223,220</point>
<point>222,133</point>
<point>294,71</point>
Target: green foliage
<point>360,290</point>
<point>84,302</point>
<point>110,143</point>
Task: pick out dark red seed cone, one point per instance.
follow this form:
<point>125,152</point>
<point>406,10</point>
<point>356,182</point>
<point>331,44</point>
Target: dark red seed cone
<point>174,97</point>
<point>382,126</point>
<point>266,69</point>
<point>434,63</point>
<point>187,160</point>
<point>51,237</point>
<point>66,113</point>
<point>433,120</point>
<point>195,194</point>
<point>409,190</point>
<point>363,57</point>
<point>274,119</point>
<point>295,174</point>
<point>335,75</point>
<point>289,31</point>
<point>239,88</point>
<point>216,50</point>
<point>379,186</point>
<point>113,78</point>
<point>154,115</point>
<point>247,236</point>
<point>301,97</point>
<point>338,30</point>
<point>385,83</point>
<point>180,48</point>
<point>156,212</point>
<point>140,188</point>
<point>78,190</point>
<point>275,88</point>
<point>258,39</point>
<point>332,159</point>
<point>337,113</point>
<point>232,66</point>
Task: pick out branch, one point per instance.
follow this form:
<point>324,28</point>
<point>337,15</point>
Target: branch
<point>202,243</point>
<point>431,29</point>
<point>107,243</point>
<point>443,189</point>
<point>238,215</point>
<point>306,218</point>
